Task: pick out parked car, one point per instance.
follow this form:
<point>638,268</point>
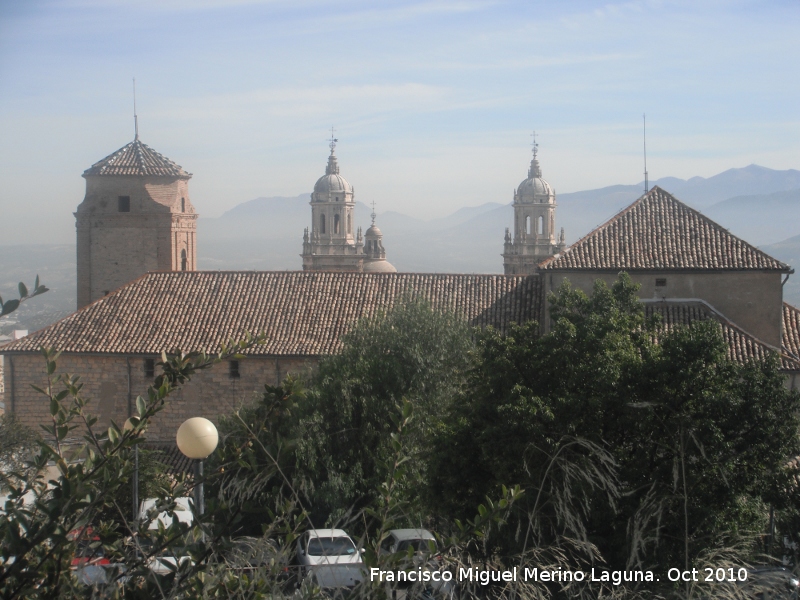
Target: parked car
<point>331,557</point>
<point>414,549</point>
<point>771,583</point>
<point>420,541</point>
<point>183,512</point>
<point>336,580</point>
<point>327,546</point>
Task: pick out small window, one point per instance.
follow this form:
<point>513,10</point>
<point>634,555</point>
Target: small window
<point>661,282</point>
<point>233,369</point>
<point>183,204</point>
<point>183,260</point>
<point>335,223</point>
<point>124,203</point>
<point>322,223</point>
<point>105,293</point>
<point>540,226</point>
<point>527,225</point>
<point>337,198</point>
<point>149,367</point>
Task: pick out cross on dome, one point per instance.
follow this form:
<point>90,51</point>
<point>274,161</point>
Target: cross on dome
<point>373,212</point>
<point>333,140</point>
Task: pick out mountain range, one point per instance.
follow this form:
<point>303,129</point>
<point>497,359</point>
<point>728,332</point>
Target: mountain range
<point>758,204</point>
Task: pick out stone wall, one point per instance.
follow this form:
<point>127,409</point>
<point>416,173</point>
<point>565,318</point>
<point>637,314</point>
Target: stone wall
<point>115,247</point>
<point>106,380</point>
<point>750,299</point>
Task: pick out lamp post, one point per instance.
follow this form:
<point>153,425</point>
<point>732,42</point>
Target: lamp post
<point>130,425</point>
<point>197,438</point>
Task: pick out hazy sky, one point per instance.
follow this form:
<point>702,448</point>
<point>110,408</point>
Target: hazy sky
<point>433,101</point>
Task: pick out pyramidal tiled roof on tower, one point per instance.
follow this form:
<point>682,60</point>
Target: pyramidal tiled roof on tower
<point>659,232</point>
<point>136,158</point>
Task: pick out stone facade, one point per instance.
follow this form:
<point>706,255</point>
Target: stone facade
<point>534,237</point>
<point>134,219</point>
<point>112,383</point>
<point>752,300</point>
<point>334,243</point>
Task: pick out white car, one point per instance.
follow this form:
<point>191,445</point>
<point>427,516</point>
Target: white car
<point>326,547</point>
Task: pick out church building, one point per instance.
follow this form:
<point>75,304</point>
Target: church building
<point>332,245</point>
<point>140,295</point>
<point>534,236</point>
<point>136,217</point>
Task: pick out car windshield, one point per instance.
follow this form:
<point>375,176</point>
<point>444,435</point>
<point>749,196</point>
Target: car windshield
<point>417,545</point>
<point>330,546</point>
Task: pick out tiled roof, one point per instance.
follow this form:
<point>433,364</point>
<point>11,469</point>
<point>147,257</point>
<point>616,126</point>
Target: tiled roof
<point>659,232</point>
<point>791,330</point>
<point>136,158</point>
<point>742,347</point>
<point>302,313</point>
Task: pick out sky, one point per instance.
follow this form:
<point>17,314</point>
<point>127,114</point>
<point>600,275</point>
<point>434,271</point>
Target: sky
<point>433,102</point>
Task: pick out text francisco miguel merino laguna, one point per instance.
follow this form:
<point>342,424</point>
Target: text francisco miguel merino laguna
<point>486,577</point>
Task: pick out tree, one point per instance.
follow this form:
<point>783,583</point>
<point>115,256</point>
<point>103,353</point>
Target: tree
<point>10,306</point>
<point>17,446</point>
<point>667,446</point>
<point>411,352</point>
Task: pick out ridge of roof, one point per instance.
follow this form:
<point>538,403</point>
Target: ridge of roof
<point>741,345</point>
<point>302,313</point>
<point>659,232</point>
<point>136,158</point>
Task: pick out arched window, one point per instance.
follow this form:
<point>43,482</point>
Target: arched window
<point>183,205</point>
<point>540,226</point>
<point>527,225</point>
<point>322,223</point>
<point>349,225</point>
<point>183,260</point>
<point>335,223</point>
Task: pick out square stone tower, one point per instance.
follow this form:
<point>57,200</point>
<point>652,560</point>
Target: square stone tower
<point>136,217</point>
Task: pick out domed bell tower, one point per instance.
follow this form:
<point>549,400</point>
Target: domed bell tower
<point>534,236</point>
<point>136,217</point>
<point>332,244</point>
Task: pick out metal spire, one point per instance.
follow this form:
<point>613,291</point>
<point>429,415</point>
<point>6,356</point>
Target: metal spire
<point>535,145</point>
<point>373,212</point>
<point>333,140</point>
<point>135,118</point>
<point>644,132</point>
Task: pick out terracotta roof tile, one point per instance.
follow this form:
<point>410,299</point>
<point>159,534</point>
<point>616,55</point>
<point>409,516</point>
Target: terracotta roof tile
<point>136,158</point>
<point>302,313</point>
<point>659,232</point>
<point>742,347</point>
<point>791,330</point>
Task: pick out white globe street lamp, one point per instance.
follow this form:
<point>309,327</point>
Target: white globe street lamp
<point>197,438</point>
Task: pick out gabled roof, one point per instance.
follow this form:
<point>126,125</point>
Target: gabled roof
<point>302,313</point>
<point>791,330</point>
<point>742,347</point>
<point>136,158</point>
<point>659,232</point>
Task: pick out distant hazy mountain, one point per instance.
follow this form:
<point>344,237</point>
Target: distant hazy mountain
<point>788,251</point>
<point>760,219</point>
<point>758,204</point>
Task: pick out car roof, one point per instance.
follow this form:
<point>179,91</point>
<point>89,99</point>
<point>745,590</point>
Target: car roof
<point>327,533</point>
<point>412,534</point>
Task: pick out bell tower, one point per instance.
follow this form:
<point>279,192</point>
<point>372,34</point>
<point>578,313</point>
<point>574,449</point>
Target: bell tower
<point>333,244</point>
<point>534,236</point>
<point>136,217</point>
